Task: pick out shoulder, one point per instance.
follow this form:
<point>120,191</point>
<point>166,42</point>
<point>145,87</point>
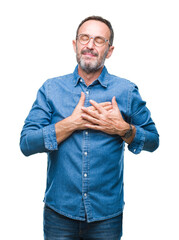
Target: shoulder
<point>121,82</point>
<point>56,84</point>
<point>58,80</point>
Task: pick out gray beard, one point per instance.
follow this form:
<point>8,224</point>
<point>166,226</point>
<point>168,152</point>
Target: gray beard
<point>91,67</point>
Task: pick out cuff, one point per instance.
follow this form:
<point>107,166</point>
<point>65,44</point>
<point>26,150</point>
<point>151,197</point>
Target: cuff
<point>138,142</point>
<point>50,140</point>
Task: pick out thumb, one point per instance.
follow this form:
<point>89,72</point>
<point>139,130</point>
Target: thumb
<point>82,100</point>
<point>114,103</point>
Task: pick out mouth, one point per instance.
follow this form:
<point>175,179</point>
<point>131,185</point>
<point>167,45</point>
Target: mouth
<point>89,53</point>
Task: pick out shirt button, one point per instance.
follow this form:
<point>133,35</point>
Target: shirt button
<point>134,150</point>
<point>85,175</point>
<point>81,80</point>
<point>86,153</point>
<point>86,132</point>
<point>87,92</point>
<point>85,194</point>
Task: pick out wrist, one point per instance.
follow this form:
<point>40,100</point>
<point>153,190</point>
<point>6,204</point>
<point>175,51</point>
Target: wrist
<point>70,125</point>
<point>63,129</point>
<point>128,132</point>
<point>122,128</point>
<point>128,138</point>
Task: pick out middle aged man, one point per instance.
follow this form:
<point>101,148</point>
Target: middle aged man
<point>82,120</point>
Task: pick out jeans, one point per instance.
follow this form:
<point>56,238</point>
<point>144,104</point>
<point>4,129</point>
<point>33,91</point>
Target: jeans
<point>59,227</point>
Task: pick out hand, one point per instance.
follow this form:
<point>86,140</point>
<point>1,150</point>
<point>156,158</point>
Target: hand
<point>110,121</point>
<point>76,119</point>
<point>67,126</point>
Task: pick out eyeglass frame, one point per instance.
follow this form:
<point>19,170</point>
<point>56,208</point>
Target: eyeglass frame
<point>90,37</point>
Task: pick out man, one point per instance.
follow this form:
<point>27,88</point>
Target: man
<point>83,120</point>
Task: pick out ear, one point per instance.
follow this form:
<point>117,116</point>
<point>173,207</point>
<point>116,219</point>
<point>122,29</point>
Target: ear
<point>110,51</point>
<point>74,45</point>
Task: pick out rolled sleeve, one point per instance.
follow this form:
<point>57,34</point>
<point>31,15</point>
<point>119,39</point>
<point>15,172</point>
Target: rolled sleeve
<point>138,142</point>
<point>50,140</point>
<point>38,134</point>
<point>147,137</point>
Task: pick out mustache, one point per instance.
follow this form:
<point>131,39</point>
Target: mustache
<point>89,51</point>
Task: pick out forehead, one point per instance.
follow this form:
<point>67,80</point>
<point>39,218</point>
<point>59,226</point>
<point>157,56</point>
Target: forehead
<point>95,28</point>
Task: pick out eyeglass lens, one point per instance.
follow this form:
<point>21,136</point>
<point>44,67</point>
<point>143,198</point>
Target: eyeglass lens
<point>98,41</point>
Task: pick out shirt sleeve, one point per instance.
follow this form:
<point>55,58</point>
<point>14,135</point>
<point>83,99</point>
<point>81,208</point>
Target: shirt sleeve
<point>147,137</point>
<point>38,134</point>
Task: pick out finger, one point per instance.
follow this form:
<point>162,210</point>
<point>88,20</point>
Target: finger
<point>94,127</point>
<point>114,103</point>
<point>115,106</point>
<point>104,104</point>
<point>82,100</point>
<point>90,119</point>
<point>107,108</point>
<point>97,106</point>
<point>92,113</point>
<point>91,108</point>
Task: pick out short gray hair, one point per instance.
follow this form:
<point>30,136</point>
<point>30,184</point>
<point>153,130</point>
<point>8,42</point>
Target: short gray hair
<point>98,18</point>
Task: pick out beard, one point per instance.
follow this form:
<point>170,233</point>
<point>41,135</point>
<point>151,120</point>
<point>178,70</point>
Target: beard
<point>90,66</point>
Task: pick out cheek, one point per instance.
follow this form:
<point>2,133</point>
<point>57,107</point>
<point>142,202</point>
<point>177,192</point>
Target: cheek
<point>78,49</point>
<point>102,54</point>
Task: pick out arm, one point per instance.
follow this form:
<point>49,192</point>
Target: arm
<point>67,126</point>
<point>75,122</point>
<point>39,135</point>
<point>110,122</point>
<point>144,134</point>
<point>147,137</point>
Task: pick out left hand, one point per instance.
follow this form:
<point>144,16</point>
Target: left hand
<point>110,122</point>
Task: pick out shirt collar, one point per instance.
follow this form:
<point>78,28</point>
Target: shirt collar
<point>103,78</point>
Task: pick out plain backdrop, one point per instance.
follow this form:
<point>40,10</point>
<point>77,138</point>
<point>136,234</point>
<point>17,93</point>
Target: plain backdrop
<point>36,44</point>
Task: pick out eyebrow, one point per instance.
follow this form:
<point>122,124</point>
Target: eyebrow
<point>91,35</point>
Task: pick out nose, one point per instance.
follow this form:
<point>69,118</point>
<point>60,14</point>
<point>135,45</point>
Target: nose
<point>90,45</point>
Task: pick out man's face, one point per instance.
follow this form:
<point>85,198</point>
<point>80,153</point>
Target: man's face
<point>90,57</point>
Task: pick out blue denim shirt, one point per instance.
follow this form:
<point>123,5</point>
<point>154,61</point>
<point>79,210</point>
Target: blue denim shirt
<point>85,171</point>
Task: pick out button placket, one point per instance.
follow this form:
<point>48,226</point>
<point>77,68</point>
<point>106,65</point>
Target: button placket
<point>85,166</point>
<point>87,93</point>
<point>85,174</point>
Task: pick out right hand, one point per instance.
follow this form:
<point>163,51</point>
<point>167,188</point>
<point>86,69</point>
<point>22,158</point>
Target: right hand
<point>67,126</point>
<point>76,119</point>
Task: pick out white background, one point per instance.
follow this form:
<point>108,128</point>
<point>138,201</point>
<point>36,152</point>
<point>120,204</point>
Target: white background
<point>36,44</point>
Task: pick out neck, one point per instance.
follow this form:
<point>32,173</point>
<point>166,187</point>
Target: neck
<point>89,78</point>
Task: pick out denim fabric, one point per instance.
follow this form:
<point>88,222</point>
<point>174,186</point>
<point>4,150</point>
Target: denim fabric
<point>58,227</point>
<point>85,172</point>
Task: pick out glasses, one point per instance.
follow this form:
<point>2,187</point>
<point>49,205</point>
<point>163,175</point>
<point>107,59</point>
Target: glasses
<point>98,40</point>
